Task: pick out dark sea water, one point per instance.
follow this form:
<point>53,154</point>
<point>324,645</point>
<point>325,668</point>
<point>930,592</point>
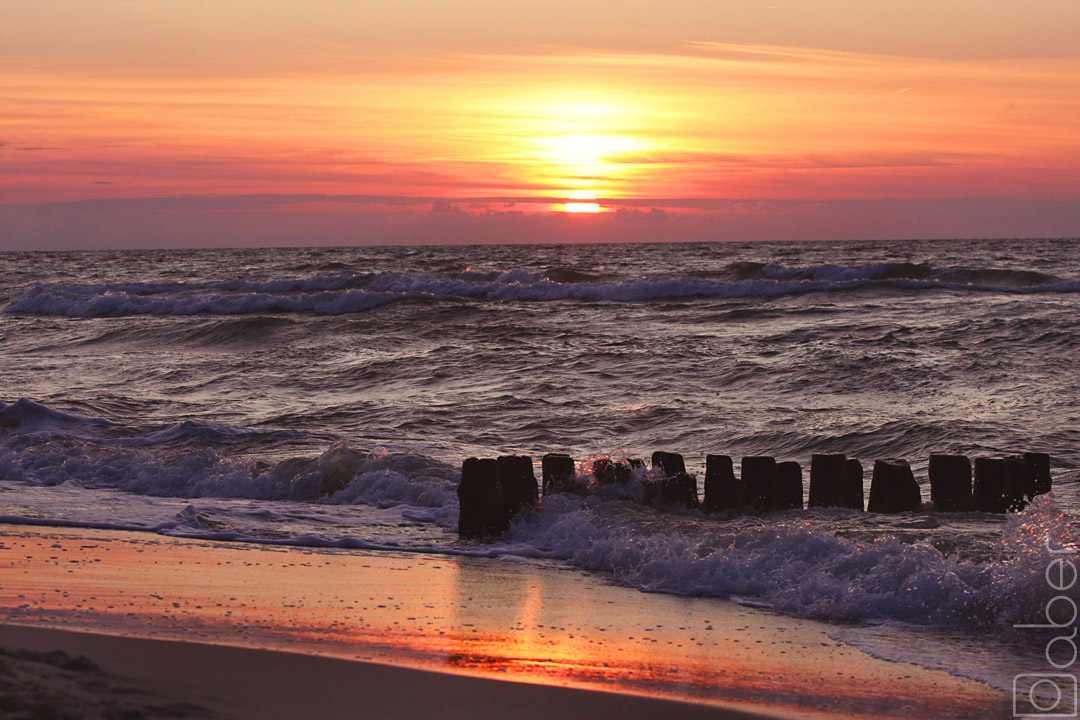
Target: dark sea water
<point>212,393</point>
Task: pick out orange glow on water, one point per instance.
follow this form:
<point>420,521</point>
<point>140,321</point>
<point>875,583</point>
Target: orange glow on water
<point>478,617</point>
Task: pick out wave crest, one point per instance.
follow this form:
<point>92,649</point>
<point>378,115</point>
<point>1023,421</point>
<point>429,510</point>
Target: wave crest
<point>353,292</point>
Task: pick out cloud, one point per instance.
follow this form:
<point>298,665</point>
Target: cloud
<point>807,161</point>
<point>627,214</point>
<point>442,206</point>
<point>778,53</point>
<point>368,220</point>
<point>37,148</point>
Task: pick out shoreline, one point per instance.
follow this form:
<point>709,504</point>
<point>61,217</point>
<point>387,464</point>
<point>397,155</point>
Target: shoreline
<point>171,678</point>
<point>463,618</point>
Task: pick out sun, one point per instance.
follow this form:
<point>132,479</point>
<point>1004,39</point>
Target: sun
<point>581,207</point>
<point>585,163</point>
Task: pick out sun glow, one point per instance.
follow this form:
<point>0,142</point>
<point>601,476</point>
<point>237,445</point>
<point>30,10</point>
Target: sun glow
<point>586,164</point>
<point>586,153</point>
<point>581,207</point>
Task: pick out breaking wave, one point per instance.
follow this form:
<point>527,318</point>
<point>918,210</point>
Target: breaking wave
<point>829,564</point>
<point>354,292</point>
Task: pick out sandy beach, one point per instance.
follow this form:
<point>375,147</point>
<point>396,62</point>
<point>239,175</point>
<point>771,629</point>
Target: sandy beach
<point>240,630</point>
<point>101,674</point>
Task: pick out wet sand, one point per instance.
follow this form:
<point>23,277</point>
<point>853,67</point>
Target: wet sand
<point>293,615</point>
<point>111,676</point>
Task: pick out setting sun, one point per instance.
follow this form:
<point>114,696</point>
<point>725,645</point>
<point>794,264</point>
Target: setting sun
<point>581,207</point>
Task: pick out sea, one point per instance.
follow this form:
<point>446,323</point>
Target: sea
<point>215,393</point>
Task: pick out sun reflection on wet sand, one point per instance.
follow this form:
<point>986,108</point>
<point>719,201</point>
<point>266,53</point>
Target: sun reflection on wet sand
<point>517,621</point>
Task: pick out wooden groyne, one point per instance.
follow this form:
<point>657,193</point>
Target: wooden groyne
<point>493,491</point>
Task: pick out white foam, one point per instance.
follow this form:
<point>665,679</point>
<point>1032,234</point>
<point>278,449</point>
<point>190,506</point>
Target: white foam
<point>797,563</point>
<point>352,292</point>
<point>799,566</point>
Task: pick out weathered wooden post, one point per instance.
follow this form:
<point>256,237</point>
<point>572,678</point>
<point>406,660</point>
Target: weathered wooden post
<point>603,471</point>
<point>1038,467</point>
<point>722,490</point>
<point>480,499</point>
<point>759,481</point>
<point>668,463</point>
<point>828,480</point>
<point>1020,485</point>
<point>518,485</point>
<point>624,470</point>
<point>558,473</point>
<point>991,491</point>
<point>893,488</point>
<point>853,485</point>
<point>676,485</point>
<point>787,492</point>
<point>950,483</point>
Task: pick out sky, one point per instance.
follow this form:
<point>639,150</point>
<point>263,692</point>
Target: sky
<point>128,123</point>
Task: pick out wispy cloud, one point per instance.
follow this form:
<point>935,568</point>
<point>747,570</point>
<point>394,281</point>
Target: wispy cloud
<point>780,54</point>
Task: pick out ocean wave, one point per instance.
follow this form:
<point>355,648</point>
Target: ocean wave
<point>353,292</point>
<point>191,459</point>
<point>27,416</point>
<point>797,565</point>
<point>980,571</point>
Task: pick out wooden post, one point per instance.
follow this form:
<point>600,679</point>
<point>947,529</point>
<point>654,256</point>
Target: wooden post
<point>950,483</point>
<point>518,485</point>
<point>991,491</point>
<point>893,488</point>
<point>853,481</point>
<point>759,481</point>
<point>1020,485</point>
<point>722,490</point>
<point>558,473</point>
<point>828,480</point>
<point>787,492</point>
<point>481,500</point>
<point>1038,467</point>
<point>676,485</point>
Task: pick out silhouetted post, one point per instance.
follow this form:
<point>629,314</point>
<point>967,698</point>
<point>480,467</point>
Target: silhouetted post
<point>1019,483</point>
<point>668,463</point>
<point>1038,468</point>
<point>480,499</point>
<point>722,490</point>
<point>558,473</point>
<point>893,488</point>
<point>853,482</point>
<point>759,481</point>
<point>828,480</point>
<point>603,471</point>
<point>518,485</point>
<point>624,470</point>
<point>676,485</point>
<point>950,483</point>
<point>991,492</point>
<point>787,492</point>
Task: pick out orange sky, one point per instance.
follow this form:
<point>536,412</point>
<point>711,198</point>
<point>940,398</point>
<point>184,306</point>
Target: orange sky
<point>488,103</point>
